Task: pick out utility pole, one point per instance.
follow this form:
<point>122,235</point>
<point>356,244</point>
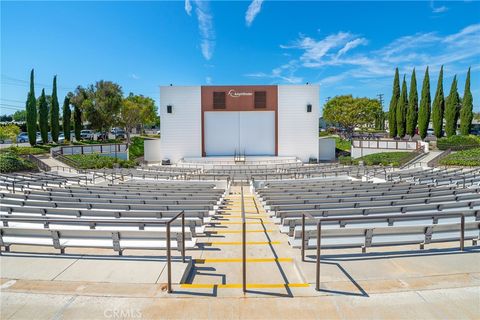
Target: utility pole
<point>380,98</point>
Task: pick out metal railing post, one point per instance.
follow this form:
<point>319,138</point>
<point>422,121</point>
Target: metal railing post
<point>462,235</point>
<point>319,235</point>
<point>303,236</point>
<point>169,260</point>
<point>183,236</point>
<point>244,245</point>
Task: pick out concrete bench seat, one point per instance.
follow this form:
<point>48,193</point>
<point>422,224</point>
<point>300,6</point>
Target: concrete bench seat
<point>385,197</point>
<point>107,206</point>
<point>374,203</point>
<point>203,215</point>
<point>387,236</point>
<point>106,200</point>
<point>116,240</point>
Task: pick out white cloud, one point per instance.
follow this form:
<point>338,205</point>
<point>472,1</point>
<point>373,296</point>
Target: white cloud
<point>188,7</point>
<point>252,11</point>
<point>208,80</point>
<point>338,57</point>
<point>205,26</point>
<point>134,76</point>
<point>440,9</point>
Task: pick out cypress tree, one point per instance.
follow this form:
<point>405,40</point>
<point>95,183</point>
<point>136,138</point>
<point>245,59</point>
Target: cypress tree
<point>424,110</point>
<point>67,114</point>
<point>402,110</point>
<point>31,110</point>
<point>466,113</point>
<point>438,107</point>
<point>412,111</point>
<point>43,117</point>
<point>392,118</point>
<point>54,117</point>
<point>77,118</point>
<point>451,109</point>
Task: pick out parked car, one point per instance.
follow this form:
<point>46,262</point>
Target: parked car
<point>120,134</point>
<point>61,138</point>
<point>39,139</point>
<point>158,132</point>
<point>102,136</point>
<point>22,137</point>
<point>87,134</point>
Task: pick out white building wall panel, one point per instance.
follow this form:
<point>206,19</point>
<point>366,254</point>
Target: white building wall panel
<point>297,128</point>
<point>181,130</point>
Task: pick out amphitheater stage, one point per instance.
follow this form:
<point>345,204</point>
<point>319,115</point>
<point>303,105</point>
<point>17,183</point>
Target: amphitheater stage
<point>246,160</point>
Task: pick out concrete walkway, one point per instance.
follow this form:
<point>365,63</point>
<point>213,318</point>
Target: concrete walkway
<point>269,258</point>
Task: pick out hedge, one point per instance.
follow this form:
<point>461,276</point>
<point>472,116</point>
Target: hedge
<point>135,149</point>
<point>27,150</point>
<point>384,158</point>
<point>458,142</point>
<point>462,158</point>
<point>96,161</point>
<point>11,162</point>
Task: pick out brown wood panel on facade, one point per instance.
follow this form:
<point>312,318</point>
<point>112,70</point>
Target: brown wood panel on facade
<point>239,98</point>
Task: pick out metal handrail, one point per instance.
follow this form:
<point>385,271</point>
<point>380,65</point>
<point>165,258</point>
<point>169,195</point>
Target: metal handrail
<point>138,222</point>
<point>244,244</point>
<point>401,216</point>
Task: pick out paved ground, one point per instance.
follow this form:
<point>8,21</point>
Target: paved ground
<point>439,282</point>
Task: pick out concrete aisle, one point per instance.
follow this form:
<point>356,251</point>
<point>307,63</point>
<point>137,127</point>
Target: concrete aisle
<point>270,263</point>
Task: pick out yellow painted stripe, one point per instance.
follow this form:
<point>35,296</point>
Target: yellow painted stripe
<point>231,260</point>
<point>239,285</point>
<point>246,215</point>
<point>236,231</point>
<point>239,222</point>
<point>238,243</point>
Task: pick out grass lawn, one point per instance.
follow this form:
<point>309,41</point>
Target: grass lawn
<point>96,161</point>
<point>384,158</point>
<point>462,158</point>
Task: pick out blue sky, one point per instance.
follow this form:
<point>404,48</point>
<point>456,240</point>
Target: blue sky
<point>346,47</point>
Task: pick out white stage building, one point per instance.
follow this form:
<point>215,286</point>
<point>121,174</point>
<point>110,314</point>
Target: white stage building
<point>221,121</point>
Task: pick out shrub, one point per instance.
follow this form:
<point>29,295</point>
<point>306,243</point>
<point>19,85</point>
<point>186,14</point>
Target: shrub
<point>463,158</point>
<point>97,161</point>
<point>11,162</point>
<point>343,144</point>
<point>135,149</point>
<point>386,158</point>
<point>458,142</point>
<point>347,160</point>
<point>26,150</point>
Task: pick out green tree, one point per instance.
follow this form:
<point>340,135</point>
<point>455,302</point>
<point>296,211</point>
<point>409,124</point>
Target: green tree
<point>466,112</point>
<point>451,109</point>
<point>9,132</point>
<point>412,111</point>
<point>137,110</point>
<point>66,116</point>
<point>43,117</point>
<point>20,116</point>
<point>401,110</point>
<point>424,110</point>
<point>102,106</point>
<point>392,114</point>
<point>77,99</point>
<point>54,112</point>
<point>31,112</point>
<point>350,112</point>
<point>438,107</point>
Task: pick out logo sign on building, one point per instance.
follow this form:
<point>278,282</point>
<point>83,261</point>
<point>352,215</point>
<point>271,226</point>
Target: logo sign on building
<point>232,93</point>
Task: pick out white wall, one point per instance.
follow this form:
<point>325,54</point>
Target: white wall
<point>181,130</point>
<point>151,151</point>
<point>297,128</point>
<point>326,148</point>
<point>252,132</point>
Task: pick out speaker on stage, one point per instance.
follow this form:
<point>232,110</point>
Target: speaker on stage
<point>309,108</point>
<point>169,109</point>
